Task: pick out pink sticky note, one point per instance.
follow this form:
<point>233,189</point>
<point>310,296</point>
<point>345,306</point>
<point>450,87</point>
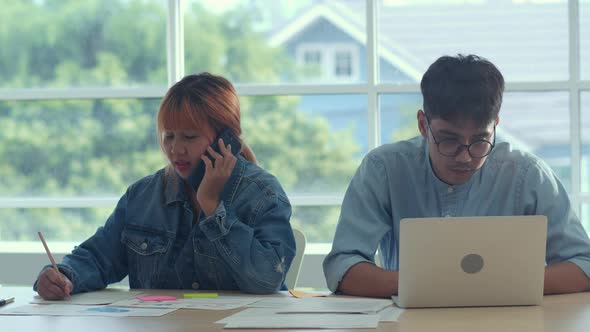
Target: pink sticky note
<point>156,298</point>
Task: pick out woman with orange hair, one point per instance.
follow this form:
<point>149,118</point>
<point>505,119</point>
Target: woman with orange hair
<point>226,228</point>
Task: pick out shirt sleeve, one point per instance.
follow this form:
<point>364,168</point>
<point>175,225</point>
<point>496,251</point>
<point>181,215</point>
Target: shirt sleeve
<point>544,194</point>
<point>365,218</point>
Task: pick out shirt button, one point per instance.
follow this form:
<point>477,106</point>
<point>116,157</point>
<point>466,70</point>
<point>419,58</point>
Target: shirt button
<point>144,246</point>
<point>450,190</point>
<point>195,285</point>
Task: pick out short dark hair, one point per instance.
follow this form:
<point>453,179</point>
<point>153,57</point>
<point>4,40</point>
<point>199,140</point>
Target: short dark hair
<point>462,87</point>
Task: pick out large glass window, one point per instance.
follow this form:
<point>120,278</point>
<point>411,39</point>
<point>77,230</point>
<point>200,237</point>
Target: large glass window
<point>585,217</point>
<point>585,39</point>
<point>527,40</point>
<point>398,116</point>
<point>56,224</point>
<point>538,122</point>
<point>61,152</point>
<point>76,148</point>
<point>259,41</point>
<point>317,222</point>
<point>82,43</point>
<point>311,143</point>
<point>301,69</point>
<point>585,142</point>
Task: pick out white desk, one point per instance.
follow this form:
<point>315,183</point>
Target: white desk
<point>558,313</point>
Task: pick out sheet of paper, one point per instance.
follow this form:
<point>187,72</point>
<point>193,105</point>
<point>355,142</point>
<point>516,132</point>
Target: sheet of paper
<point>217,303</point>
<point>273,302</point>
<point>247,313</point>
<point>269,318</point>
<point>82,310</point>
<point>105,296</point>
<point>334,304</point>
<point>390,314</point>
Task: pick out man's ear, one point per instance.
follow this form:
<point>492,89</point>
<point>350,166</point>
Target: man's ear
<point>497,121</point>
<point>422,122</point>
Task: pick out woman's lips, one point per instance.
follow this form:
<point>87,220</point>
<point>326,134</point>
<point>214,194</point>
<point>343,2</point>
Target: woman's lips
<point>182,166</point>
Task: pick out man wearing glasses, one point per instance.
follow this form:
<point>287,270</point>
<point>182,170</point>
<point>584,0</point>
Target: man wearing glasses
<point>455,168</point>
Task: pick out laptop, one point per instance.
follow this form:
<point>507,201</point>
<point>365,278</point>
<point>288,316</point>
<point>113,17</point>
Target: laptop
<point>471,261</point>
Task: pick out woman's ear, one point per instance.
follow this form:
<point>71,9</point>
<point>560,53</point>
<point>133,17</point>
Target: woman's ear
<point>422,123</point>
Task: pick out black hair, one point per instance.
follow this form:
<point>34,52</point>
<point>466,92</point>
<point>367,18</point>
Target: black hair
<point>462,87</point>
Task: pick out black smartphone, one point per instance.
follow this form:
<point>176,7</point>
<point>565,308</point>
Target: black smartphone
<point>228,137</point>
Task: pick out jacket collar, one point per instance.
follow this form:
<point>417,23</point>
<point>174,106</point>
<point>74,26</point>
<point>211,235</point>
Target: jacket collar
<point>174,186</point>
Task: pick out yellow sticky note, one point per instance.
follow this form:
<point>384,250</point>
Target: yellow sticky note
<point>200,295</point>
<point>301,294</point>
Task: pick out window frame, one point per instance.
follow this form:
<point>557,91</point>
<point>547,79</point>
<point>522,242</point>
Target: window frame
<point>372,88</point>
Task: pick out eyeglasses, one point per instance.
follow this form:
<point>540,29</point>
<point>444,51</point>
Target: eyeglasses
<point>452,147</point>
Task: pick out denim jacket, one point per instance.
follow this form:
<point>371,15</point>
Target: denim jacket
<point>246,245</point>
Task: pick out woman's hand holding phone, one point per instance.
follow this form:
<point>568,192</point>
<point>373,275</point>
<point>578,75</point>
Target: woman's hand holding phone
<point>216,175</point>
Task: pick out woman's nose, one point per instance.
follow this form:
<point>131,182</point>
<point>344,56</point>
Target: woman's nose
<point>177,147</point>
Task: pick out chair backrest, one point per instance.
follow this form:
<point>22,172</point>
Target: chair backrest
<point>293,274</point>
<point>378,258</point>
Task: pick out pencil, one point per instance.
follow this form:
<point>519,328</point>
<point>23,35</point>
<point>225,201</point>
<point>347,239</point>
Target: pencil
<point>48,253</point>
<point>6,301</point>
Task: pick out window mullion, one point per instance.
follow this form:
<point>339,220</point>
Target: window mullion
<point>574,100</point>
<point>374,123</point>
<point>175,41</point>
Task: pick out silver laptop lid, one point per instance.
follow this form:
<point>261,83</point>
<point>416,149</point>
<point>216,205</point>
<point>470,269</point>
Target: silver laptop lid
<point>471,261</point>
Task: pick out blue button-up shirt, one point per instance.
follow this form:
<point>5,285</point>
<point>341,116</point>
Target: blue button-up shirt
<point>396,181</point>
<point>247,244</point>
